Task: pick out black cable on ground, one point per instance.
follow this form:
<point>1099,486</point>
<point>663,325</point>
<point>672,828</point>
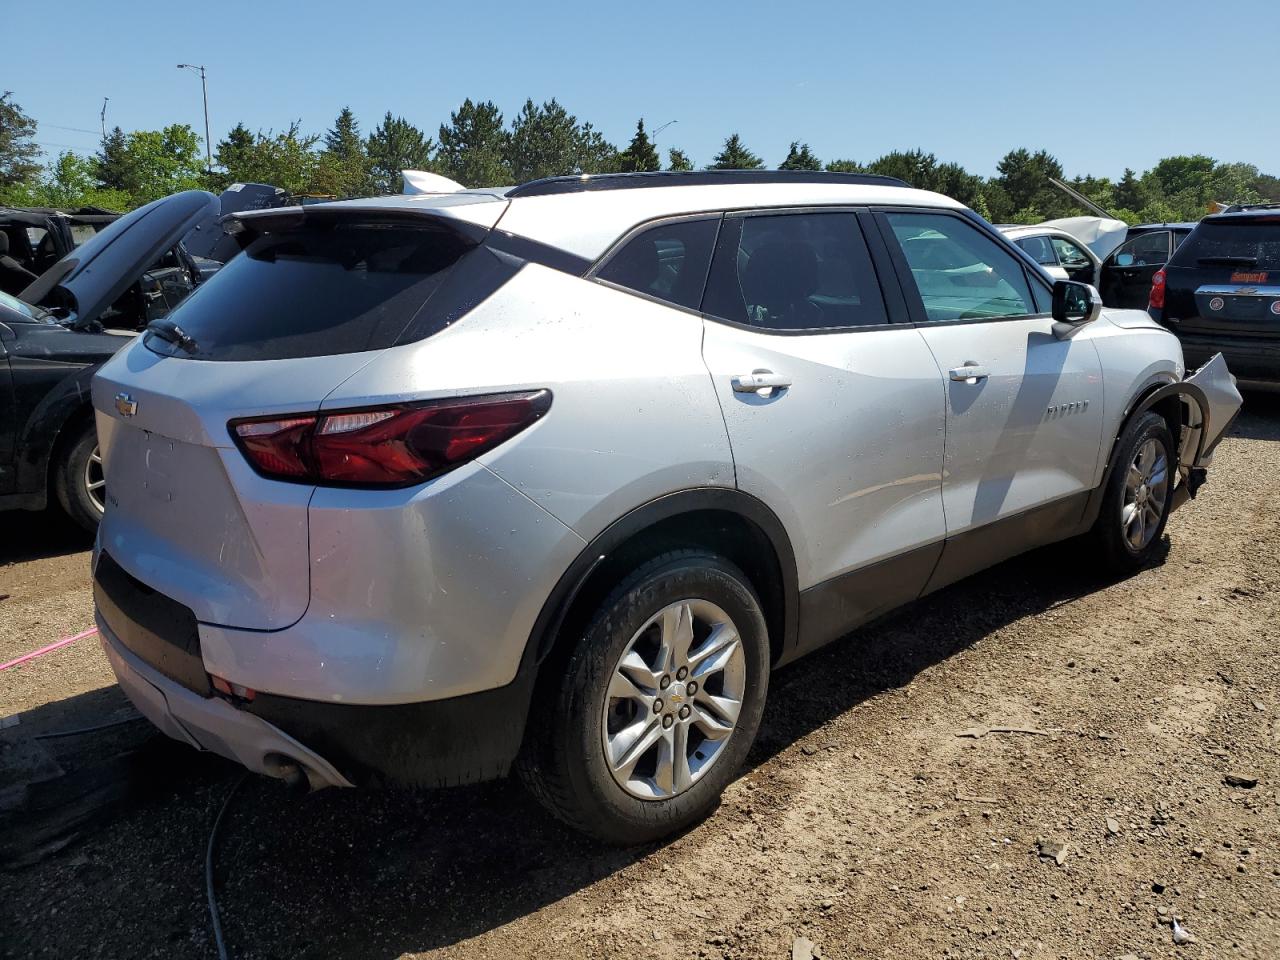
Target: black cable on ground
<point>208,869</point>
<point>79,730</point>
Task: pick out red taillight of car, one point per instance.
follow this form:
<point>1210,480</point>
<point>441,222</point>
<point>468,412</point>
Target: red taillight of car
<point>391,446</point>
<point>1157,291</point>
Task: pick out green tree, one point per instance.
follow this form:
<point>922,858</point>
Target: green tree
<point>924,172</point>
<point>845,166</point>
<point>678,160</point>
<point>1023,193</point>
<point>288,159</point>
<point>735,156</point>
<point>18,150</point>
<point>1128,193</point>
<point>473,146</point>
<point>151,164</point>
<point>396,145</point>
<point>800,157</point>
<point>343,169</point>
<point>112,161</point>
<point>547,141</point>
<point>69,181</point>
<point>641,155</point>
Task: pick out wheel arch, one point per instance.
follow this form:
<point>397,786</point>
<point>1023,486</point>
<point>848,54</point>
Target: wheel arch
<point>48,430</point>
<point>727,521</point>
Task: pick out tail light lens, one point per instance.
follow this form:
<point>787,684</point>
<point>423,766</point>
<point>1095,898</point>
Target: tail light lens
<point>391,446</point>
<point>1157,291</point>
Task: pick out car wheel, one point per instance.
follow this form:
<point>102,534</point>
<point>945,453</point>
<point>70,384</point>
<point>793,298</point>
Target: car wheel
<point>1138,496</point>
<point>80,483</point>
<point>657,705</point>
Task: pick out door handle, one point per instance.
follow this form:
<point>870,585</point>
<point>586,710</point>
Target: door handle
<point>969,373</point>
<point>760,380</point>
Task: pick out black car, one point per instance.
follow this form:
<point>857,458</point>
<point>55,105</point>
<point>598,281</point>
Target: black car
<point>62,327</point>
<point>1128,270</point>
<point>1220,292</point>
<point>32,239</point>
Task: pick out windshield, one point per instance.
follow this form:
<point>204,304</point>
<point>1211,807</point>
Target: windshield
<point>1245,243</point>
<point>22,307</point>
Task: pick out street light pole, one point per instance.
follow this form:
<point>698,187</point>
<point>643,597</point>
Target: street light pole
<point>204,89</point>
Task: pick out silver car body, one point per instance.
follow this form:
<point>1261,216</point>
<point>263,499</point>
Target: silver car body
<point>878,460</point>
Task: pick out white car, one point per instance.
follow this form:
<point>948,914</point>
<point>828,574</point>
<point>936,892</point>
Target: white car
<point>422,488</point>
<point>1060,253</point>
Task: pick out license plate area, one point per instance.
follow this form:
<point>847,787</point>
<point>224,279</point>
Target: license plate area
<point>157,629</point>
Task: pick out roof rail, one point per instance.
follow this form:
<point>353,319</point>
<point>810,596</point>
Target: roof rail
<point>586,183</point>
<point>1242,207</point>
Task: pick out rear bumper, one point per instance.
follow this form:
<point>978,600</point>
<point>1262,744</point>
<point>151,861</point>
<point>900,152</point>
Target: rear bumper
<point>433,744</point>
<point>209,723</point>
<point>1251,359</point>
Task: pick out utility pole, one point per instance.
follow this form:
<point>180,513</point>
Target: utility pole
<point>103,117</point>
<point>208,149</point>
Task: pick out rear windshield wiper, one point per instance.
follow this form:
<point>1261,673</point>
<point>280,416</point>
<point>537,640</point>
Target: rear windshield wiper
<point>170,332</point>
<point>1230,261</point>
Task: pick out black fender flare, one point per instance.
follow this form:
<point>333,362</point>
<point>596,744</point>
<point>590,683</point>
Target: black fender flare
<point>723,499</point>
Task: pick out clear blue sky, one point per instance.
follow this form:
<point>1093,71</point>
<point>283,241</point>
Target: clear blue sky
<point>1102,85</point>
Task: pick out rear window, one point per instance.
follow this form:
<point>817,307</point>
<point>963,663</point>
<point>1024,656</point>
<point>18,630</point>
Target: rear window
<point>318,292</point>
<point>1241,244</point>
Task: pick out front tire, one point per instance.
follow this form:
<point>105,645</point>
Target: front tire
<point>659,703</point>
<point>79,481</point>
<point>1138,497</point>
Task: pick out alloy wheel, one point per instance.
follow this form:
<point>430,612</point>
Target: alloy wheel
<point>95,481</point>
<point>1146,489</point>
<point>673,700</point>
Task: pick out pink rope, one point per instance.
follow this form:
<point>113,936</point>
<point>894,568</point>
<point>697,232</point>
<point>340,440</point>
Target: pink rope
<point>51,647</point>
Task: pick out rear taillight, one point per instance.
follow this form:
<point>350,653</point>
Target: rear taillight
<point>391,446</point>
<point>1157,291</point>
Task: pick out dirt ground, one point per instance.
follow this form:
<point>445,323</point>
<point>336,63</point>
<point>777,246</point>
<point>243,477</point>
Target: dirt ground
<point>866,822</point>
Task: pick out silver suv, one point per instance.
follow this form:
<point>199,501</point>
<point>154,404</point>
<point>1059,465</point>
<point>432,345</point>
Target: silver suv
<point>421,489</point>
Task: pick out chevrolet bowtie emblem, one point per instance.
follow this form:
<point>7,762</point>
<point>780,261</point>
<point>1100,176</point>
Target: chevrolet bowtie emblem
<point>126,405</point>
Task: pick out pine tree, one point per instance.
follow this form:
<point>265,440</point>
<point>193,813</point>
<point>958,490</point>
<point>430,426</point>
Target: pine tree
<point>473,146</point>
<point>678,160</point>
<point>800,157</point>
<point>736,156</point>
<point>18,149</point>
<point>344,162</point>
<point>396,145</point>
<point>641,155</point>
<point>111,164</point>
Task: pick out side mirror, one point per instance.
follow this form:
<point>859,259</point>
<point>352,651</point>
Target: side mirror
<point>1075,304</point>
<point>1124,260</point>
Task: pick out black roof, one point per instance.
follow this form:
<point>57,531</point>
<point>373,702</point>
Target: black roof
<point>700,178</point>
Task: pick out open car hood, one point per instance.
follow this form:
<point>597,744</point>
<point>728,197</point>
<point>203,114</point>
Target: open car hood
<point>94,275</point>
<point>206,239</point>
<point>1099,234</point>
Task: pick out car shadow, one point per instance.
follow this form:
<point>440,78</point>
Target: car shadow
<point>1259,417</point>
<point>29,535</point>
<point>380,874</point>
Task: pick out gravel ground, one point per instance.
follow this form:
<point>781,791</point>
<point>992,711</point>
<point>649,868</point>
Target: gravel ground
<point>878,817</point>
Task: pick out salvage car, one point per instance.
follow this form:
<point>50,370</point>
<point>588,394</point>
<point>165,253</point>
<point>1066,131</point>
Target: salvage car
<point>54,337</point>
<point>423,488</point>
<point>32,239</point>
<point>1220,292</point>
<point>1061,255</point>
<point>1128,271</point>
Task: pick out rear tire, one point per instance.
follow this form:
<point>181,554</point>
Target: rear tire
<point>658,704</point>
<point>1138,496</point>
<point>78,479</point>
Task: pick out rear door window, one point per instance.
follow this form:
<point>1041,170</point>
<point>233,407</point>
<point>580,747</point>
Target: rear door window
<point>668,261</point>
<point>1040,249</point>
<point>794,271</point>
<point>1070,256</point>
<point>317,292</point>
<point>1243,245</point>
